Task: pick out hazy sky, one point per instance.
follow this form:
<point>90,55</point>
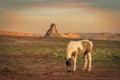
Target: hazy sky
<point>35,16</point>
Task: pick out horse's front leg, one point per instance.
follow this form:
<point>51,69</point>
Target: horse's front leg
<point>74,63</point>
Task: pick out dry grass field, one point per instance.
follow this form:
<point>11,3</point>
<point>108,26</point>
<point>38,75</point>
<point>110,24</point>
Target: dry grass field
<point>34,58</point>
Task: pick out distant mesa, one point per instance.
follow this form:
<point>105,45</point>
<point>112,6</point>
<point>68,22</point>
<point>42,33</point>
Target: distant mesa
<point>13,33</point>
<point>52,32</point>
<point>70,35</point>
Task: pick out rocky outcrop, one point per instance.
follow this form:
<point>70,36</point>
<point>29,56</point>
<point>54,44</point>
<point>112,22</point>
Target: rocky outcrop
<point>52,32</point>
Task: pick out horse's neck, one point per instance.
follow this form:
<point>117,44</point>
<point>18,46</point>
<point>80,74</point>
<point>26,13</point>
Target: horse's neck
<point>73,46</point>
<point>69,54</point>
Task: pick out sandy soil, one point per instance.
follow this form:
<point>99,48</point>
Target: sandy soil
<point>58,73</point>
<point>55,72</point>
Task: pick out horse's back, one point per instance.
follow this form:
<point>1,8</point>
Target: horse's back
<point>74,45</point>
<point>81,44</point>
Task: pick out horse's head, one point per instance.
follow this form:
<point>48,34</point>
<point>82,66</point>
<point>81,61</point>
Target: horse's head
<point>68,64</point>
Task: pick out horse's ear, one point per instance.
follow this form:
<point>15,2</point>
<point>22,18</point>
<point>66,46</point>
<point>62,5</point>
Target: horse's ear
<point>65,58</point>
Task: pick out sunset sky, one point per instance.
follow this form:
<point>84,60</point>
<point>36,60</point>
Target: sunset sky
<point>78,16</point>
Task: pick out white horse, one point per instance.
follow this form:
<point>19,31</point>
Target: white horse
<point>78,47</point>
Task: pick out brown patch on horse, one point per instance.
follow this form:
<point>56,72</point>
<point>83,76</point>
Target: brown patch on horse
<point>74,53</point>
<point>79,51</point>
<point>87,47</point>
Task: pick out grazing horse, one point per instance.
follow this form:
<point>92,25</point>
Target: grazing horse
<point>78,47</point>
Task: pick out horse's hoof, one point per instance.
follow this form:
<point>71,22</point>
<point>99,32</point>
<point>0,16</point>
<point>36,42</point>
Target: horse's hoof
<point>68,70</point>
<point>83,69</point>
<point>88,70</point>
<point>73,70</point>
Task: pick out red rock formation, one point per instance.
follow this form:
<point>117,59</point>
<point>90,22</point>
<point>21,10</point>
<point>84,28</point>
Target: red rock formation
<point>70,35</point>
<point>52,32</point>
<point>12,33</point>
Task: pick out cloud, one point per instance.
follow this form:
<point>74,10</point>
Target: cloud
<point>77,16</point>
<point>58,5</point>
<point>13,4</point>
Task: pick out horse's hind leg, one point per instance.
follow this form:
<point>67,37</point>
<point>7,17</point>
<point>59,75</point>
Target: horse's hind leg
<point>90,61</point>
<point>86,61</point>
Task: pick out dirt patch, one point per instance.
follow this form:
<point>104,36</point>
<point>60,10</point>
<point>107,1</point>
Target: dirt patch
<point>60,73</point>
<point>28,63</point>
<point>56,71</point>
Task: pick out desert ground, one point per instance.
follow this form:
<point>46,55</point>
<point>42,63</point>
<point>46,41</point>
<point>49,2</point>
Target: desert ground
<point>35,58</point>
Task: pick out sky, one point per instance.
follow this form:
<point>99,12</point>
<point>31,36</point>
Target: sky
<point>77,16</point>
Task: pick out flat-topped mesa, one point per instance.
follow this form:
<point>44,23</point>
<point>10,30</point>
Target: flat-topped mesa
<point>52,32</point>
<point>70,35</point>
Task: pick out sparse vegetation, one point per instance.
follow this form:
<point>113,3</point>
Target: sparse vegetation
<point>18,53</point>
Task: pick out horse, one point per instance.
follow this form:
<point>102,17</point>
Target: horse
<point>75,48</point>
